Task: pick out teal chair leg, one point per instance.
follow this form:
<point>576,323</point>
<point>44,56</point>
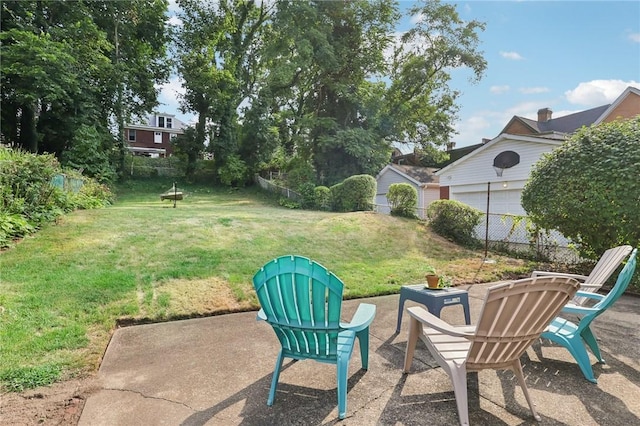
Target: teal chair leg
<point>274,380</point>
<point>579,352</point>
<point>590,340</point>
<point>363,340</point>
<point>342,371</point>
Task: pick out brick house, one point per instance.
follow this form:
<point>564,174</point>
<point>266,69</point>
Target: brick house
<point>152,136</point>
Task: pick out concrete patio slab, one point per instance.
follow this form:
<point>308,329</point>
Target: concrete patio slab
<point>217,371</point>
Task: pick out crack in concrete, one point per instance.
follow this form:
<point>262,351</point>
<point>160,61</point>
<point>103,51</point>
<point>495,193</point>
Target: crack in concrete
<point>143,395</point>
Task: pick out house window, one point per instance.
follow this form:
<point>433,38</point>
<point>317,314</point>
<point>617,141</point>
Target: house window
<point>160,121</point>
<point>157,137</point>
<point>172,136</point>
<point>169,122</point>
<point>132,135</point>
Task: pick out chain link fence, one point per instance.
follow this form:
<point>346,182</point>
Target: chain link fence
<point>268,185</point>
<point>516,235</point>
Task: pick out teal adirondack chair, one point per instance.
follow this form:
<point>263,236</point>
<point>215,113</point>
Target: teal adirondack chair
<point>302,301</point>
<point>575,337</point>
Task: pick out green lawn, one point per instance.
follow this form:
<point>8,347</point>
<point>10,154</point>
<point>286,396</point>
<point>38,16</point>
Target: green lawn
<point>63,290</point>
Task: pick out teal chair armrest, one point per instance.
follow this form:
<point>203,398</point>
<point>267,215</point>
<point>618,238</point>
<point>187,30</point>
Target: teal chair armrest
<point>261,315</point>
<point>589,294</point>
<point>578,310</point>
<point>363,317</point>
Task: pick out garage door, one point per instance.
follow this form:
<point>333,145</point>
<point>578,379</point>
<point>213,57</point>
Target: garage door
<point>500,202</point>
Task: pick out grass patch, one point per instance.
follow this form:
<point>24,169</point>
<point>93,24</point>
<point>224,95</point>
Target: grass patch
<point>63,290</point>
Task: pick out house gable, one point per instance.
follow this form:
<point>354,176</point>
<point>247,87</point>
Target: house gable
<point>627,105</point>
<point>520,126</point>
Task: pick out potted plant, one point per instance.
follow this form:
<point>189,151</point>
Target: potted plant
<point>432,277</point>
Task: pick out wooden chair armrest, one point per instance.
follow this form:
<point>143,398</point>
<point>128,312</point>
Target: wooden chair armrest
<point>432,321</point>
<point>363,317</point>
<point>558,274</point>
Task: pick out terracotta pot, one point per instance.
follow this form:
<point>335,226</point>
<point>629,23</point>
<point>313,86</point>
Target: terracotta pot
<point>432,281</point>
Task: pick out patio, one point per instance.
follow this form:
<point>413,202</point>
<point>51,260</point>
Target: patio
<point>217,371</point>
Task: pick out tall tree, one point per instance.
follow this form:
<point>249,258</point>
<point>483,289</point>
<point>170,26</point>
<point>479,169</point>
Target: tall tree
<point>218,58</point>
<point>419,100</point>
<point>138,34</point>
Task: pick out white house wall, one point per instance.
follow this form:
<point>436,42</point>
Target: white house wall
<point>390,176</point>
<point>468,183</point>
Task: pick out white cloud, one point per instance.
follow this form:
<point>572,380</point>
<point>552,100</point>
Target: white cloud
<point>598,92</point>
<point>174,21</point>
<point>169,99</point>
<point>635,37</point>
<point>498,90</point>
<point>472,130</point>
<point>512,55</point>
<point>533,90</point>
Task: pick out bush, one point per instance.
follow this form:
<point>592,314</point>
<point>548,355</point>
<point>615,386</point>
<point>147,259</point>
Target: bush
<point>28,199</point>
<point>88,153</point>
<point>403,199</point>
<point>307,191</point>
<point>455,221</point>
<point>322,198</point>
<point>588,188</point>
<point>233,172</point>
<point>355,193</point>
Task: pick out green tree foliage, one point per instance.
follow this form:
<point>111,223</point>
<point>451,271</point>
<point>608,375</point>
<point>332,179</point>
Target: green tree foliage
<point>335,97</point>
<point>421,103</point>
<point>89,153</point>
<point>189,148</point>
<point>28,199</point>
<point>217,47</point>
<point>454,220</point>
<point>588,188</point>
<point>403,199</point>
<point>69,65</point>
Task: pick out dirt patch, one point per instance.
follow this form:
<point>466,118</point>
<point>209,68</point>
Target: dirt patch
<point>58,404</point>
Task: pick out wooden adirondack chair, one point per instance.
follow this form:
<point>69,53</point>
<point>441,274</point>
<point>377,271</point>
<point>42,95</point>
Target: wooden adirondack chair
<point>576,337</point>
<point>512,318</point>
<point>302,301</point>
<point>605,267</point>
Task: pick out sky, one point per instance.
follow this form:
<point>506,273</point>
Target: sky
<point>568,56</point>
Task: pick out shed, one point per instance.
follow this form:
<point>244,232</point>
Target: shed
<point>422,179</point>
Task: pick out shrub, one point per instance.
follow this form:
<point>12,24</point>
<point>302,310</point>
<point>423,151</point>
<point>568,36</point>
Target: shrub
<point>322,198</point>
<point>28,198</point>
<point>355,193</point>
<point>454,220</point>
<point>233,172</point>
<point>307,191</point>
<point>403,199</point>
<point>88,153</point>
<point>588,188</point>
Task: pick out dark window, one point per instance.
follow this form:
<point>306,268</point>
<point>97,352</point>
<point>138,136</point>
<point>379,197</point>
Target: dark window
<point>169,122</point>
<point>132,135</point>
<point>160,121</point>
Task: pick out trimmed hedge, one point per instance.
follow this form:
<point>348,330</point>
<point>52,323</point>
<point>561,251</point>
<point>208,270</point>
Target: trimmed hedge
<point>355,193</point>
<point>455,221</point>
<point>403,199</point>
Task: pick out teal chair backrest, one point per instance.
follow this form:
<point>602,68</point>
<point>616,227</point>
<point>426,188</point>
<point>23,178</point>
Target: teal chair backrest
<point>302,302</point>
<point>624,278</point>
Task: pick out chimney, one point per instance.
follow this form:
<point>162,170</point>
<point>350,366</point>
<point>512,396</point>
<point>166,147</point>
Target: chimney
<point>450,146</point>
<point>544,115</point>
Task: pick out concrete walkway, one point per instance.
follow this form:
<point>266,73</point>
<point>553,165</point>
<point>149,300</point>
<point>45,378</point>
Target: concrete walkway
<point>217,371</point>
